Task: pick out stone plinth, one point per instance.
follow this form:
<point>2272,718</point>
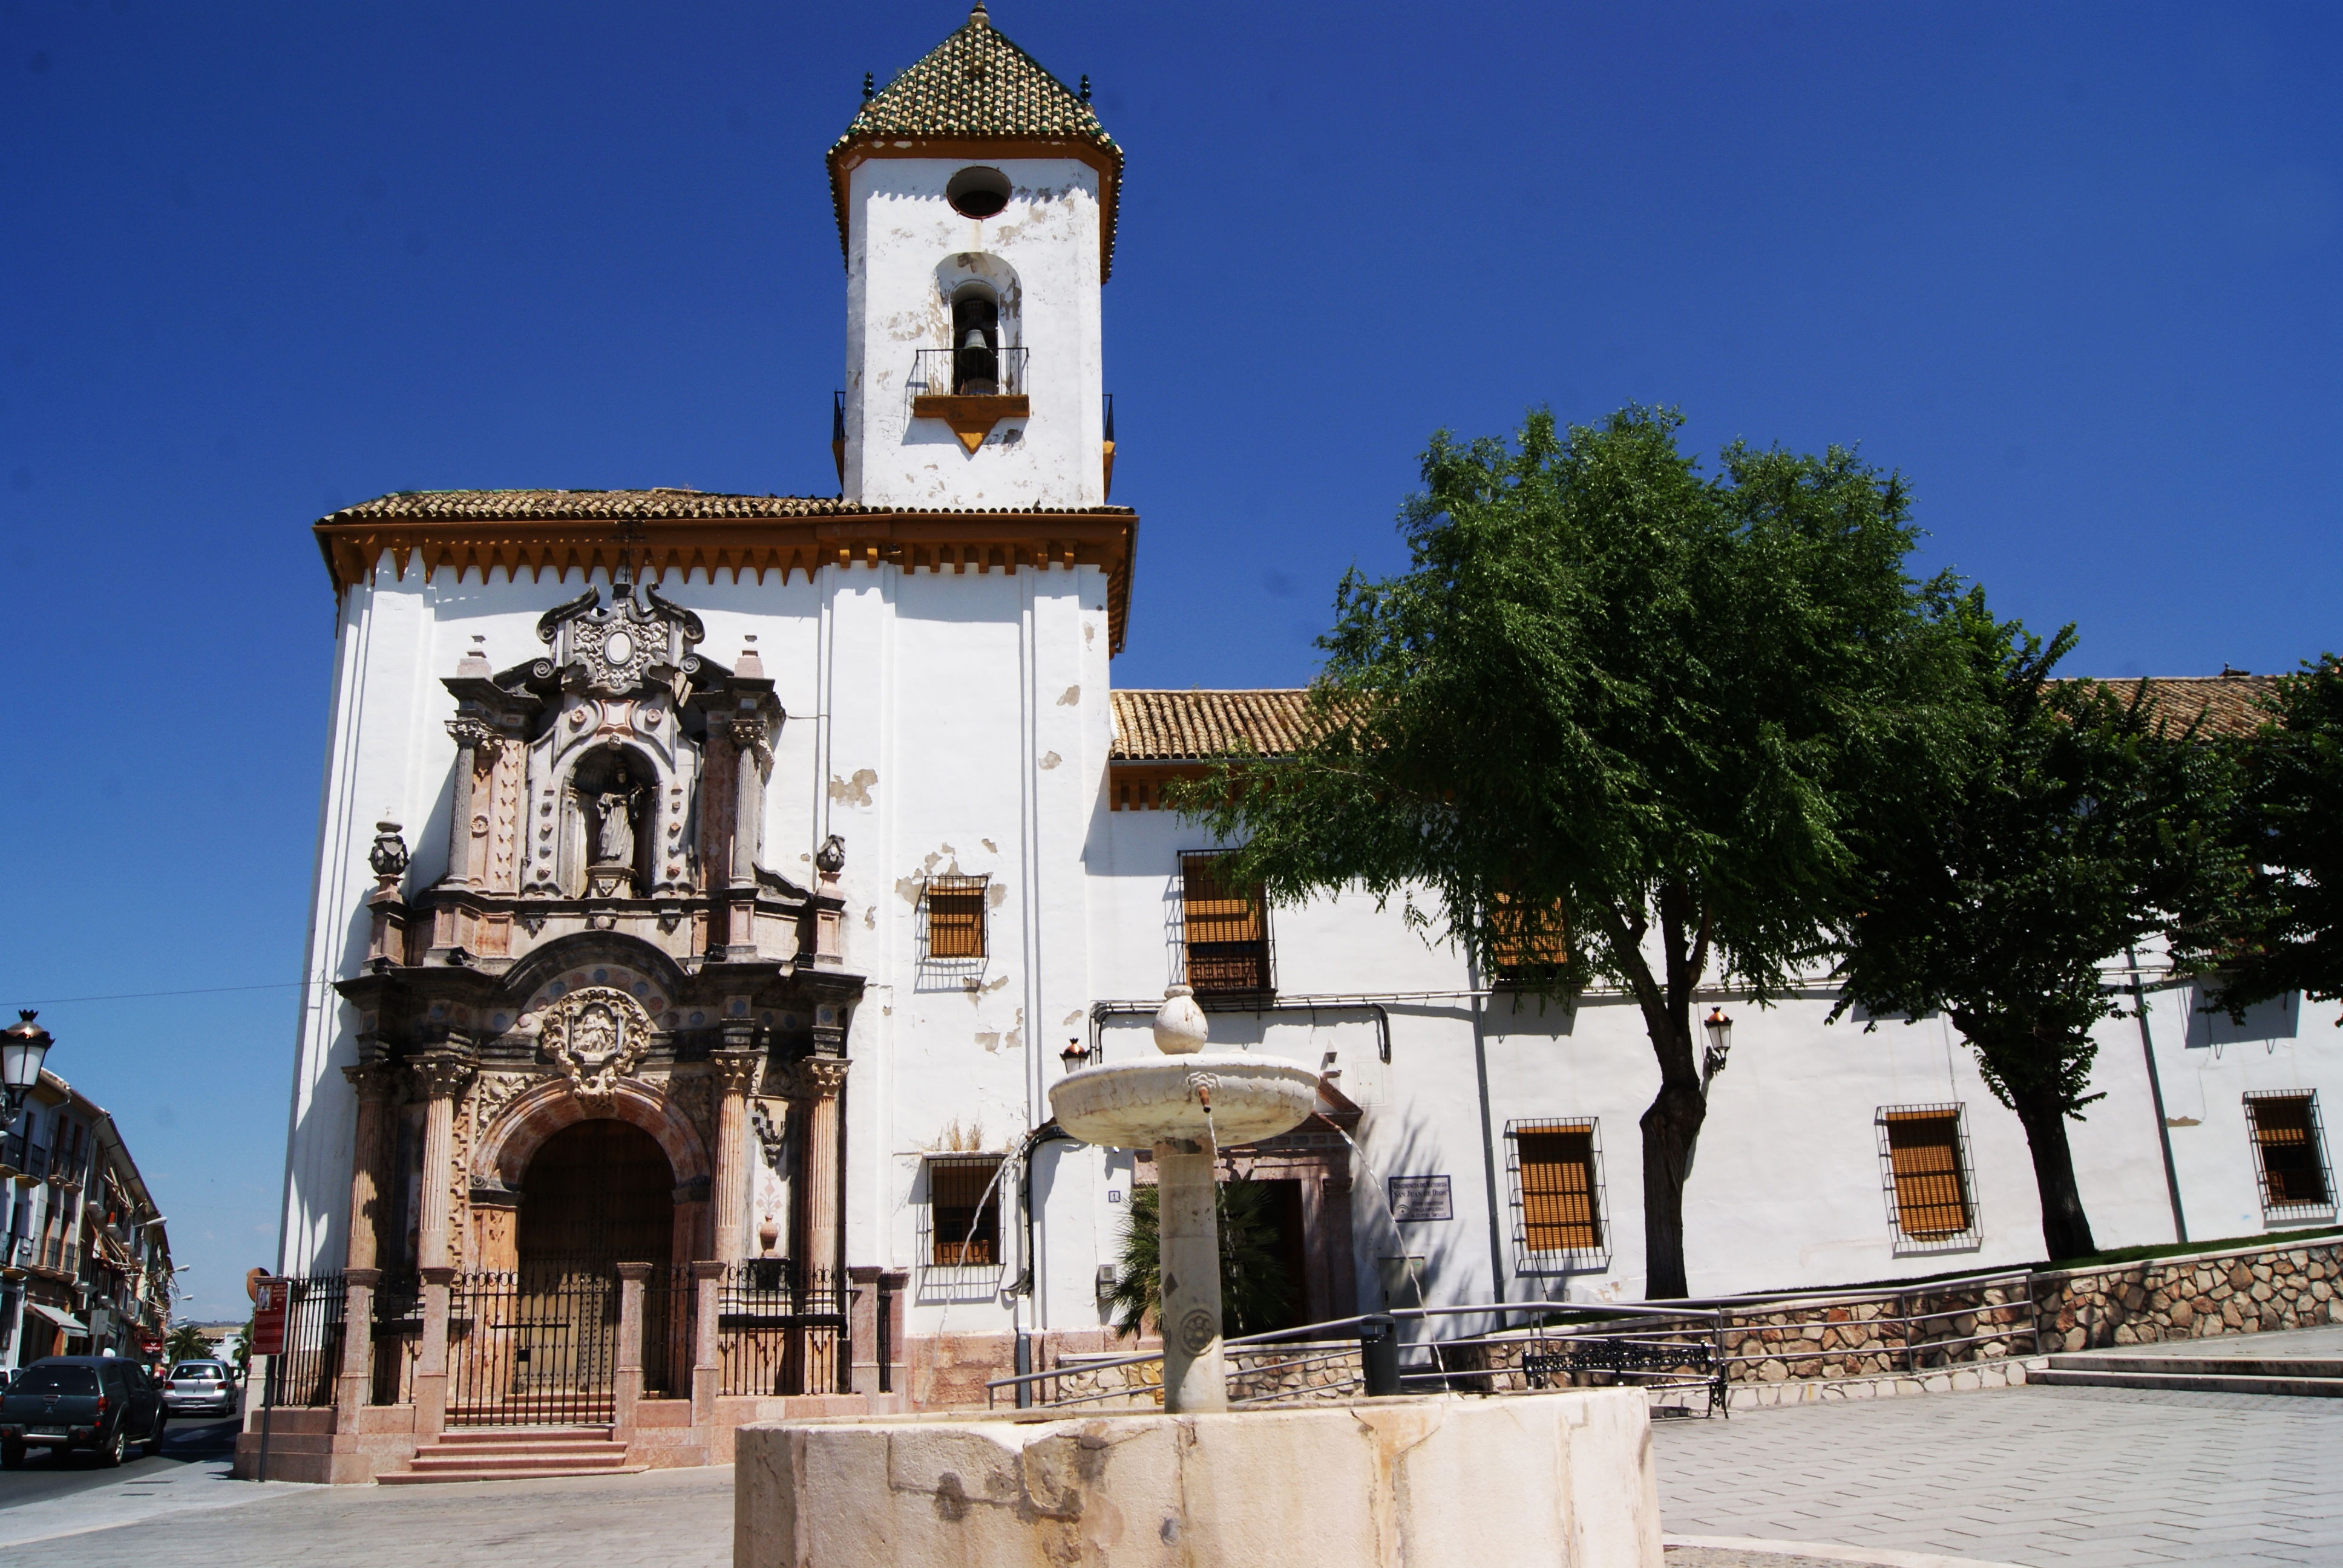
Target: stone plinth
<point>1440,1482</point>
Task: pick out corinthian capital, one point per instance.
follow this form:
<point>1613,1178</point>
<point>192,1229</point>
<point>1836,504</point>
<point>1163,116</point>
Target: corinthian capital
<point>442,1074</point>
<point>735,1070</point>
<point>375,1080</point>
<point>817,1077</point>
<point>473,734</point>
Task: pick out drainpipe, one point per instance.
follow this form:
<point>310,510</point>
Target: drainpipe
<point>2156,1094</point>
<point>1488,1161</point>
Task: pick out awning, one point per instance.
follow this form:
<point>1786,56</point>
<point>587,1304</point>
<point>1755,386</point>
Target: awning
<point>59,1316</point>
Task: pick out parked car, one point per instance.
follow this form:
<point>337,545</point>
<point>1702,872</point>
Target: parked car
<point>200,1388</point>
<point>98,1405</point>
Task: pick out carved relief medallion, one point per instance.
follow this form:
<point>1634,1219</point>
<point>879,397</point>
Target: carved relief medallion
<point>596,1035</point>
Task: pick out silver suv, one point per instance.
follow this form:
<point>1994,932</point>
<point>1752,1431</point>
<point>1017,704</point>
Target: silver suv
<point>200,1388</point>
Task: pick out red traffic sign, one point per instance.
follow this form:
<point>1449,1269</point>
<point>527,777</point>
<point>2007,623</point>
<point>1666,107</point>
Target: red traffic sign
<point>269,1316</point>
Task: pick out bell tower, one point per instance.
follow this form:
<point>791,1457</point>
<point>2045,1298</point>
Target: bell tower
<point>976,202</point>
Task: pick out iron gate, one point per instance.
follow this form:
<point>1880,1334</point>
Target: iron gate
<point>534,1347</point>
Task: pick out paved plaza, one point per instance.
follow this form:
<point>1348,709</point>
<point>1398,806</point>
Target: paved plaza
<point>2048,1478</point>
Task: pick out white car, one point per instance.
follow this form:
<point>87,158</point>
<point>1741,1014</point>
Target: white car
<point>200,1388</point>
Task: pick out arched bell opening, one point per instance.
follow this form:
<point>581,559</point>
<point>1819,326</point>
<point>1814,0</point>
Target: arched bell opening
<point>596,1194</point>
<point>976,341</point>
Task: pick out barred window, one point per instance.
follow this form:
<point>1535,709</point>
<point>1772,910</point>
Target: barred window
<point>1924,1159</point>
<point>1557,1171</point>
<point>1225,927</point>
<point>2291,1150</point>
<point>963,1212</point>
<point>955,915</point>
<point>1530,944</point>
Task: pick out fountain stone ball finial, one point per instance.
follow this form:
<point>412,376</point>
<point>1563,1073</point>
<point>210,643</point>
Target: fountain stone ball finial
<point>1181,1026</point>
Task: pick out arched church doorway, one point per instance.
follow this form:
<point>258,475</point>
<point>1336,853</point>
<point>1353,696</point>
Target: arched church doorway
<point>596,1194</point>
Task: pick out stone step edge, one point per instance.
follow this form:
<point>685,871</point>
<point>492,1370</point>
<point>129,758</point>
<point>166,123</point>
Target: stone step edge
<point>448,1477</point>
<point>598,1463</point>
<point>2205,1366</point>
<point>461,1435</point>
<point>2192,1382</point>
<point>476,1456</point>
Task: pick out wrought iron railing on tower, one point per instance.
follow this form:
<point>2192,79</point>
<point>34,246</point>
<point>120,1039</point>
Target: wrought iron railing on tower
<point>970,372</point>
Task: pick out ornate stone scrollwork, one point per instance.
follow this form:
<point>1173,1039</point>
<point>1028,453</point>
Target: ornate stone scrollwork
<point>596,1035</point>
<point>442,1074</point>
<point>476,735</point>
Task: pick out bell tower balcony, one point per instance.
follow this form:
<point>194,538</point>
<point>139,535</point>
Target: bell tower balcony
<point>972,389</point>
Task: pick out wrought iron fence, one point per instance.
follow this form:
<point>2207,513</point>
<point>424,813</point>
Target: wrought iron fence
<point>397,1332</point>
<point>781,1331</point>
<point>304,1373</point>
<point>532,1347</point>
<point>670,1315</point>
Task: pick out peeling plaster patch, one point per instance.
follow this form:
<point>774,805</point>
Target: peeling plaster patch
<point>979,990</point>
<point>871,918</point>
<point>908,890</point>
<point>1050,759</point>
<point>990,847</point>
<point>1075,1016</point>
<point>996,894</point>
<point>854,791</point>
<point>886,1012</point>
<point>1015,1038</point>
<point>990,1041</point>
<point>1072,699</point>
<point>1090,633</point>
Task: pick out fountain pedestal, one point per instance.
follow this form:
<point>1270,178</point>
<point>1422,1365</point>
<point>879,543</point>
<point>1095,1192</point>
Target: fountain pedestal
<point>1195,1372</point>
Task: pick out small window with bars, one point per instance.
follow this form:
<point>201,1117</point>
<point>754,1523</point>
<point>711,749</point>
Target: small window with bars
<point>1531,946</point>
<point>2291,1150</point>
<point>1557,1178</point>
<point>963,1212</point>
<point>1225,926</point>
<point>1924,1161</point>
<point>953,910</point>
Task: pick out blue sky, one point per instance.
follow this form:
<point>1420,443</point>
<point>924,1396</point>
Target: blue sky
<point>2072,269</point>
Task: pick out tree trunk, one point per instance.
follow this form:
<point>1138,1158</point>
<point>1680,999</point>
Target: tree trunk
<point>1670,1127</point>
<point>2066,1229</point>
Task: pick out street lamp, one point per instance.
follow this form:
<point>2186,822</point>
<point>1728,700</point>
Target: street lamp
<point>1719,1030</point>
<point>24,1046</point>
<point>1076,1055</point>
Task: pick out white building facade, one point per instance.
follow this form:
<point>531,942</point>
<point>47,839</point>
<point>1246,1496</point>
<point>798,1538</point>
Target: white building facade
<point>725,879</point>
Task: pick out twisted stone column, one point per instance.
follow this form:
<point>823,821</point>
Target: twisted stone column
<point>375,1082</point>
<point>441,1075</point>
<point>815,1083</point>
<point>736,1075</point>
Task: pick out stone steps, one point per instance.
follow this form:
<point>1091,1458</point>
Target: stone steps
<point>514,1453</point>
<point>2304,1377</point>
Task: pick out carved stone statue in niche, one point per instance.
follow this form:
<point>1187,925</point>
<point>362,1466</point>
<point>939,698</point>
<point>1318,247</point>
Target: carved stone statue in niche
<point>614,822</point>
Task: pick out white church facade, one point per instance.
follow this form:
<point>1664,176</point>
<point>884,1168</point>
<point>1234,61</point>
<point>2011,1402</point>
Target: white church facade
<point>717,883</point>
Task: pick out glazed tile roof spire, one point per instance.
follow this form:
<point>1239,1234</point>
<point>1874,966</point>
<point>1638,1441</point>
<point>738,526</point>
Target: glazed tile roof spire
<point>978,86</point>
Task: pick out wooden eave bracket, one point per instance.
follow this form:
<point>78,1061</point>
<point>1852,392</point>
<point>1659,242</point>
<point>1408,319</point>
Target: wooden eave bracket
<point>971,418</point>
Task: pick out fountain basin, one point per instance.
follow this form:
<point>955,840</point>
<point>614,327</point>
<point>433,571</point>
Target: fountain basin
<point>1138,1104</point>
<point>1563,1479</point>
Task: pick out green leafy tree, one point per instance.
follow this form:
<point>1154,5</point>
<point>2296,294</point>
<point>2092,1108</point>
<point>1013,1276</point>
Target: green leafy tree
<point>187,1344</point>
<point>2075,827</point>
<point>2283,929</point>
<point>1255,1288</point>
<point>1608,717</point>
<point>242,1353</point>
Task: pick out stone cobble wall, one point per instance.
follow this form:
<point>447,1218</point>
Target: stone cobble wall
<point>1300,1373</point>
<point>2292,1287</point>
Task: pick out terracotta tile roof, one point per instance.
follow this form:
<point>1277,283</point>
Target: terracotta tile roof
<point>1180,725</point>
<point>648,504</point>
<point>2225,701</point>
<point>977,85</point>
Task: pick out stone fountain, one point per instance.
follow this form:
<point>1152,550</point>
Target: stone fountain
<point>1185,1108</point>
<point>1426,1480</point>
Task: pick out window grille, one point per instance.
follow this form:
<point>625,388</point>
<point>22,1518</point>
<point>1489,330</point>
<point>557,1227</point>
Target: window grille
<point>963,1212</point>
<point>954,906</point>
<point>1923,1162</point>
<point>1556,1168</point>
<point>1530,944</point>
<point>2291,1150</point>
<point>1225,929</point>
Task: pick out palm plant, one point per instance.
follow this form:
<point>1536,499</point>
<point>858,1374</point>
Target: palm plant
<point>1255,1286</point>
<point>188,1343</point>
